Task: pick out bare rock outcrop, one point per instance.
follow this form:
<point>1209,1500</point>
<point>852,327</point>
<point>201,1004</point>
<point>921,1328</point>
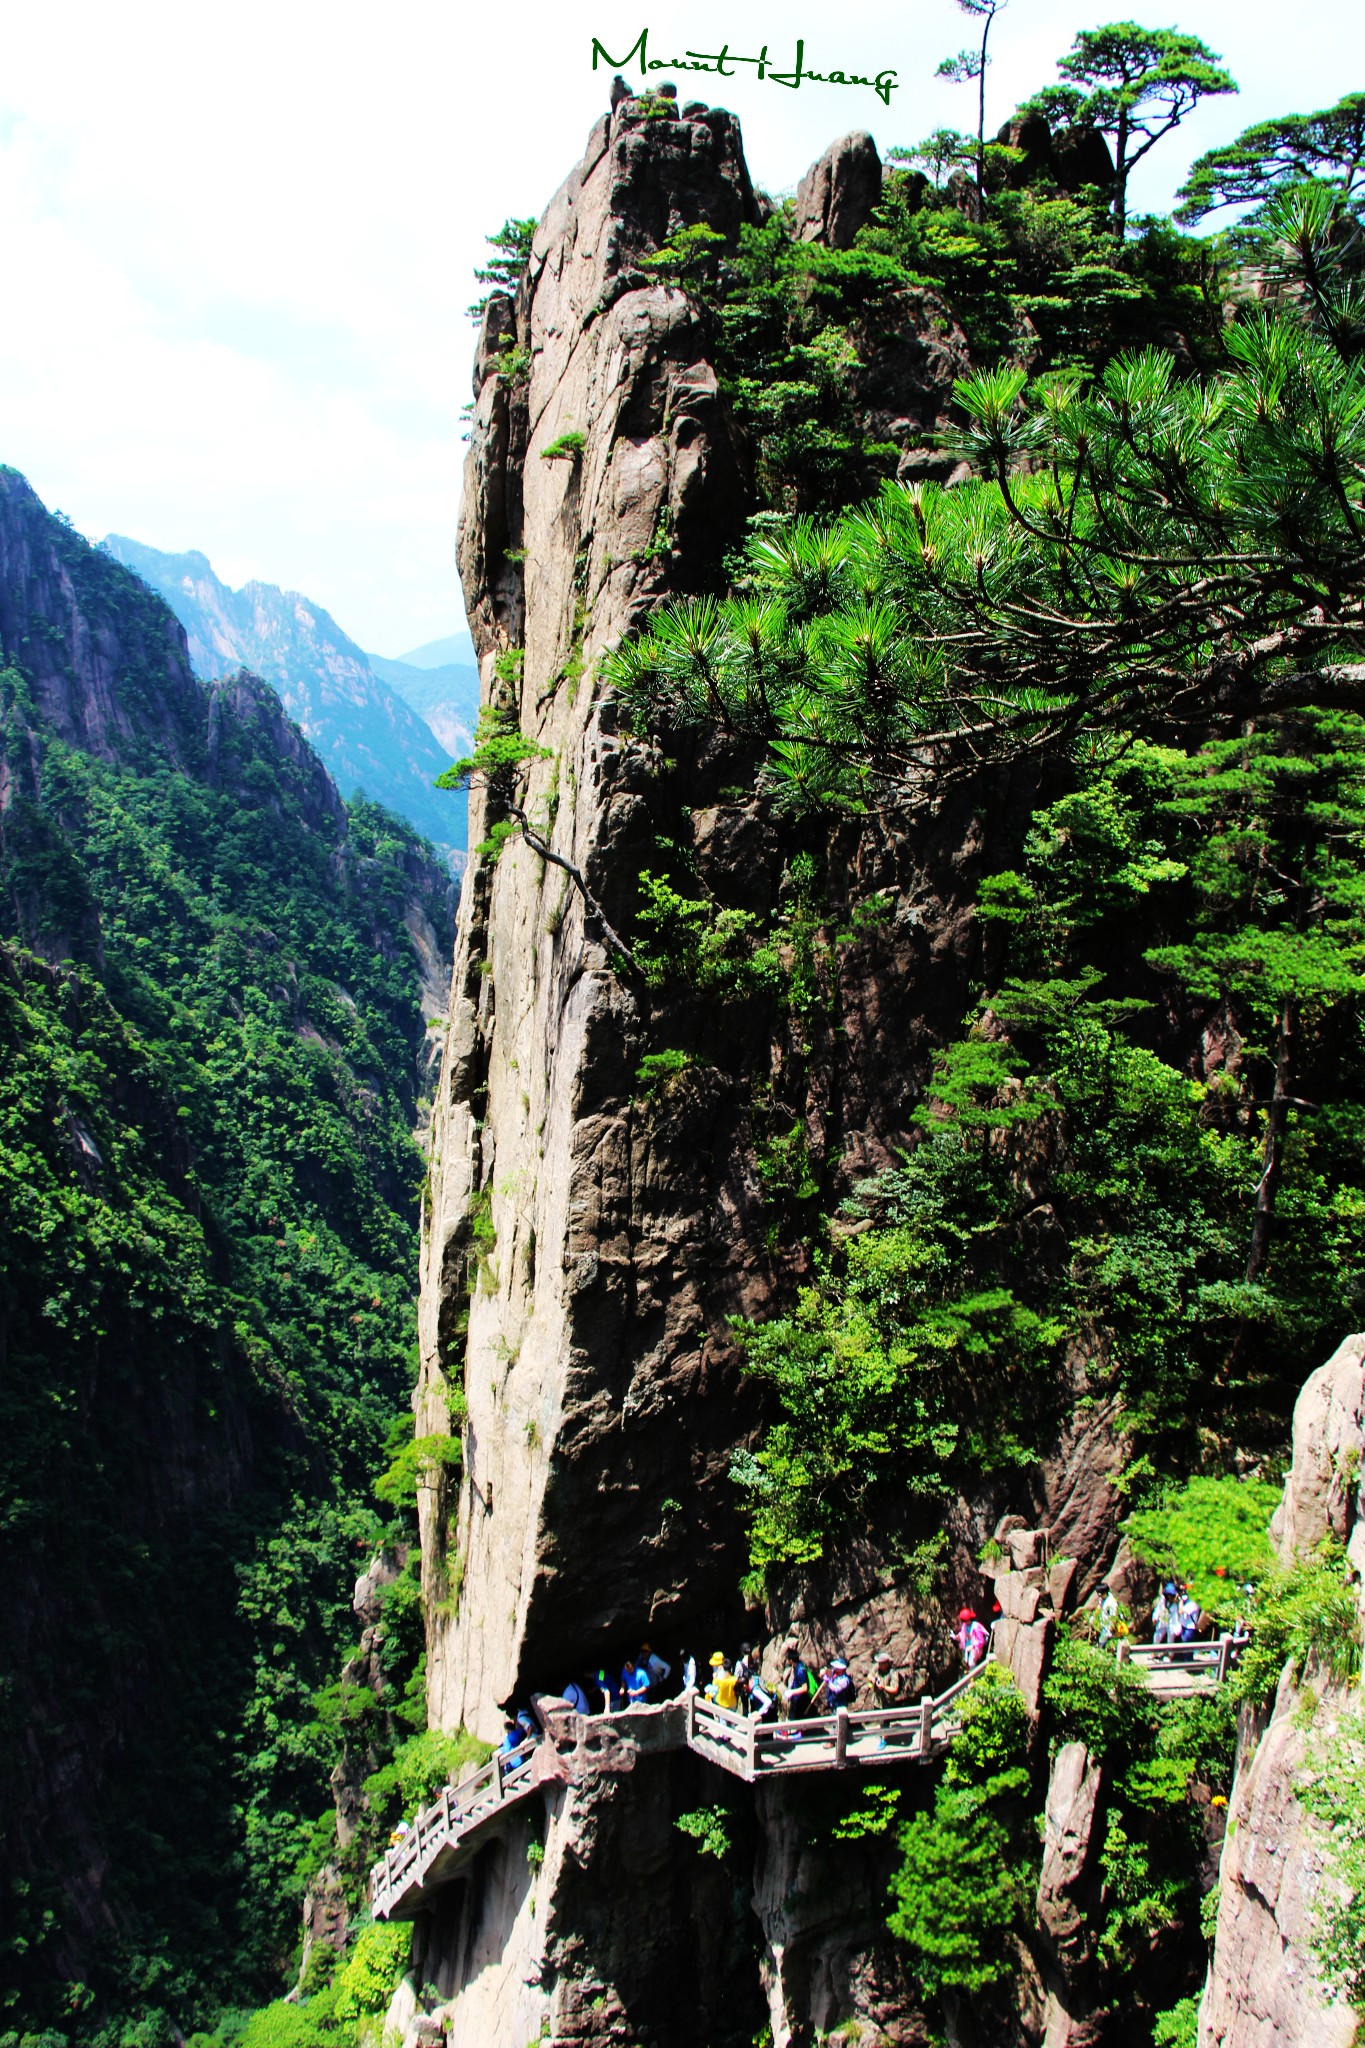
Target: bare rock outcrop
<point>839,191</point>
<point>1066,1883</point>
<point>577,1322</point>
<point>1263,1988</point>
<point>1324,1494</point>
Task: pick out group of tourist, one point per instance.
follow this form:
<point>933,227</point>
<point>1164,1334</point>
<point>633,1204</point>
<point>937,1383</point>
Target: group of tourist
<point>802,1686</point>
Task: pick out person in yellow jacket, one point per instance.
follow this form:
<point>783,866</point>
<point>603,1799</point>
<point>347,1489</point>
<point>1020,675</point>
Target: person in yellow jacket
<point>723,1689</point>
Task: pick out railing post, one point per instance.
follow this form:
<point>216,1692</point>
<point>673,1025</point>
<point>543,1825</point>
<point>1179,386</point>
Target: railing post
<point>1224,1651</point>
<point>498,1792</point>
<point>840,1737</point>
<point>751,1760</point>
<point>1122,1654</point>
<point>691,1718</point>
<point>926,1723</point>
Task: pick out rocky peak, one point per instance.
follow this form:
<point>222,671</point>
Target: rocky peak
<point>106,662</point>
<point>839,191</point>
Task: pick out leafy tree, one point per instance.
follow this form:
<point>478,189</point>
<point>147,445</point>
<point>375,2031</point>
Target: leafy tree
<point>1327,146</point>
<point>1137,85</point>
<point>962,1889</point>
<point>971,64</point>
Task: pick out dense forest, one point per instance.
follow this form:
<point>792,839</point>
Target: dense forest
<point>213,1048</point>
<point>1112,605</point>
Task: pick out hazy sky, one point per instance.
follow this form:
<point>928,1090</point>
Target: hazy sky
<point>238,241</point>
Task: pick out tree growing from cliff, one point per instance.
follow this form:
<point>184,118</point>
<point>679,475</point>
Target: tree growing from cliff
<point>502,755</point>
<point>969,65</point>
<point>1135,85</point>
<point>1328,146</point>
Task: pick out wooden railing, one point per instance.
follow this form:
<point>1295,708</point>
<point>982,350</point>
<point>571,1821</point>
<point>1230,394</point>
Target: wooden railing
<point>752,1749</point>
<point>456,1813</point>
<point>1183,1668</point>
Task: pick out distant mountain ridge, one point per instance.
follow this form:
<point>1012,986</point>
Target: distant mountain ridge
<point>365,730</point>
<point>445,695</point>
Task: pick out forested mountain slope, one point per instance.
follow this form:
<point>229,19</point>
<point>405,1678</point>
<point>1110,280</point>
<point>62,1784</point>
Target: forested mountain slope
<point>367,735</point>
<point>214,986</point>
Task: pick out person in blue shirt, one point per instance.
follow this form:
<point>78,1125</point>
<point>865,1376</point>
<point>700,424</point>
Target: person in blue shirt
<point>513,1737</point>
<point>612,1690</point>
<point>577,1697</point>
<point>635,1678</point>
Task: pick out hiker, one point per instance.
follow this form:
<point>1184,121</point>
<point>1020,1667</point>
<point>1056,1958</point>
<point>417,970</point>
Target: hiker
<point>577,1697</point>
<point>403,1829</point>
<point>513,1737</point>
<point>1190,1616</point>
<point>689,1671</point>
<point>1161,1615</point>
<point>1108,1615</point>
<point>795,1689</point>
<point>744,1676</point>
<point>612,1691</point>
<point>840,1686</point>
<point>659,1672</point>
<point>971,1638</point>
<point>760,1698</point>
<point>635,1678</point>
<point>888,1684</point>
<point>722,1688</point>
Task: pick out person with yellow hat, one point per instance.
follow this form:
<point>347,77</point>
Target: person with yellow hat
<point>723,1689</point>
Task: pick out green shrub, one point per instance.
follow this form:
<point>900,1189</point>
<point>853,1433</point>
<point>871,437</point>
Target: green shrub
<point>1214,1532</point>
<point>657,1069</point>
<point>961,1891</point>
<point>1097,1701</point>
<point>418,1769</point>
<point>373,1971</point>
<point>709,1827</point>
<point>566,448</point>
<point>1178,2026</point>
<point>1307,1611</point>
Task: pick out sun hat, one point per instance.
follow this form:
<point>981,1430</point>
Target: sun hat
<point>719,1657</point>
<point>967,1614</point>
<point>839,1664</point>
<point>883,1656</point>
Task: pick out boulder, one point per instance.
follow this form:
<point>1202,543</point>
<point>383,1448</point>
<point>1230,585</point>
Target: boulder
<point>1026,1647</point>
<point>839,191</point>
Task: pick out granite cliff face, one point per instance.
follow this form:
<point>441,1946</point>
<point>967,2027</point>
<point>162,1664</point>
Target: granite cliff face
<point>586,1241</point>
<point>1264,1989</point>
<point>588,1238</point>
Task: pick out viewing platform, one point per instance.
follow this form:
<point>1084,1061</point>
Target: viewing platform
<point>448,1834</point>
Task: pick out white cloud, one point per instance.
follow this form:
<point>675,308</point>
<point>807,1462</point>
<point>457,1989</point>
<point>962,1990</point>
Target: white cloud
<point>239,243</point>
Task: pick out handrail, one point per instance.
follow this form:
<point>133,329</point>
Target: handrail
<point>751,1748</point>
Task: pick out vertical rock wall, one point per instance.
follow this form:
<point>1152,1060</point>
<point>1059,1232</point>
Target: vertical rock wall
<point>577,1242</point>
<point>1264,1990</point>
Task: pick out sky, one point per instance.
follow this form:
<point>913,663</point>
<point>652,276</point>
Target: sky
<point>239,241</point>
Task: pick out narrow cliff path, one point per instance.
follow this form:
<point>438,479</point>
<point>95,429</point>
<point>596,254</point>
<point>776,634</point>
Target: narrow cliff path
<point>449,1833</point>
